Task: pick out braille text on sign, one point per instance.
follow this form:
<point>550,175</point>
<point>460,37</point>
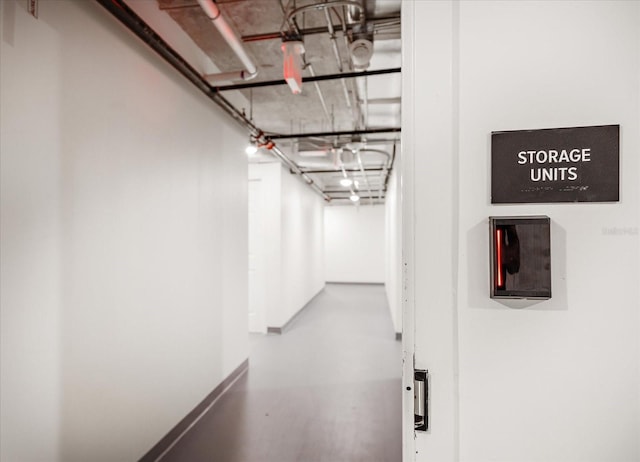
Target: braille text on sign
<point>555,165</point>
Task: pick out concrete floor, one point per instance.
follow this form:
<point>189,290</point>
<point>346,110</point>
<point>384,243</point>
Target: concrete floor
<point>328,389</point>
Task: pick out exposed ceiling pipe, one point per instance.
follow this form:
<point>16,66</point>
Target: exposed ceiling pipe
<point>231,76</point>
<point>336,54</point>
<point>214,14</point>
<point>380,22</point>
<point>355,113</point>
<point>366,178</point>
<point>319,91</point>
<point>370,131</point>
<point>294,168</point>
<point>385,168</point>
<point>135,24</point>
<point>362,86</point>
<point>318,78</point>
<point>393,158</point>
<point>318,6</point>
<point>344,173</point>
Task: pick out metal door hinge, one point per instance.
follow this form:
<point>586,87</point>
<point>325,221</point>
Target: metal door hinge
<point>421,399</point>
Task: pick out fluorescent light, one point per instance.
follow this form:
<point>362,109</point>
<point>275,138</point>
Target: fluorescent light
<point>354,198</point>
<point>346,182</point>
<point>251,149</point>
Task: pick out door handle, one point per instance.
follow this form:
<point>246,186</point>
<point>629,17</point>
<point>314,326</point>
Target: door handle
<point>421,400</point>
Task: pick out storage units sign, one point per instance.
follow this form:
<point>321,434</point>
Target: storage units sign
<point>555,165</point>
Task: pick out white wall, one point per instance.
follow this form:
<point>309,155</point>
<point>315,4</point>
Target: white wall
<point>294,241</point>
<point>557,380</point>
<point>355,243</point>
<point>123,239</point>
<point>270,176</point>
<point>303,264</point>
<point>393,246</point>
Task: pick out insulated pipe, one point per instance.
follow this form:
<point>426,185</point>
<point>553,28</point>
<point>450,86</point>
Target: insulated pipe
<point>229,76</point>
<point>213,12</point>
<point>133,22</point>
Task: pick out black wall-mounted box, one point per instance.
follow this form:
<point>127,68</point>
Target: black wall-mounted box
<point>520,249</point>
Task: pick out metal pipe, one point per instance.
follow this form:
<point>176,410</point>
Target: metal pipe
<point>319,6</point>
<point>378,151</point>
<point>351,170</point>
<point>370,131</point>
<point>213,12</point>
<point>362,87</point>
<point>384,171</point>
<point>316,78</point>
<point>343,191</point>
<point>382,21</point>
<point>229,76</point>
<point>344,173</point>
<point>143,31</point>
<point>366,178</point>
<point>336,54</point>
<point>292,166</point>
<point>320,95</point>
<point>393,158</point>
<point>332,37</point>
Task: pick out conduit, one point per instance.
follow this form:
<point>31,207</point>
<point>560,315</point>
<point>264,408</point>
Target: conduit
<point>213,13</point>
<point>319,6</point>
<point>336,54</point>
<point>319,91</point>
<point>385,168</point>
<point>366,178</point>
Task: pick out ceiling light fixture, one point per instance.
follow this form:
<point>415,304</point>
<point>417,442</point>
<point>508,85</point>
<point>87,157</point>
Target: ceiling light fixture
<point>354,198</point>
<point>251,149</point>
<point>292,64</point>
<point>346,182</point>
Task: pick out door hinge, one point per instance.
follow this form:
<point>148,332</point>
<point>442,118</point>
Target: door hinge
<point>421,399</point>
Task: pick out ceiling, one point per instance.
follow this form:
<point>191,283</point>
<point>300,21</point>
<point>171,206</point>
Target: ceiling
<point>344,125</point>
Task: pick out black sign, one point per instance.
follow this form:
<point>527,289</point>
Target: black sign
<point>555,165</point>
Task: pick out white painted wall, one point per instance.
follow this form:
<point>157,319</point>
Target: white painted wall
<point>355,243</point>
<point>270,176</point>
<point>557,380</point>
<point>123,239</point>
<point>302,227</point>
<point>393,246</point>
<point>293,234</point>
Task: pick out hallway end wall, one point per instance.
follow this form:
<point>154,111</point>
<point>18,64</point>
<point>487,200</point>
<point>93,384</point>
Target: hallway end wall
<point>123,239</point>
<point>355,243</point>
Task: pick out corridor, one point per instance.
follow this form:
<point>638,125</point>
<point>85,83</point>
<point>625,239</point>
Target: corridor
<point>328,389</point>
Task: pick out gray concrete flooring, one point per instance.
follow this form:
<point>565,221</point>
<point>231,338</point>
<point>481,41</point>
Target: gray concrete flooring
<point>327,389</point>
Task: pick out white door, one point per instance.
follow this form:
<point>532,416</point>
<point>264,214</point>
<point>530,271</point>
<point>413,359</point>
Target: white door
<point>429,232</point>
<point>557,381</point>
<point>257,282</point>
